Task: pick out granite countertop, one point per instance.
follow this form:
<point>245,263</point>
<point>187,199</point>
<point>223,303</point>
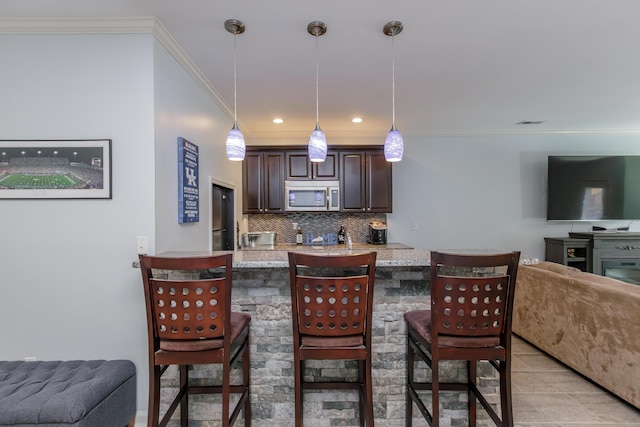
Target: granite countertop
<point>389,255</point>
<point>355,246</point>
<point>279,257</point>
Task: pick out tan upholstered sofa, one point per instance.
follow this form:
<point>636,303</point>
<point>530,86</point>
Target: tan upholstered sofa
<point>590,323</point>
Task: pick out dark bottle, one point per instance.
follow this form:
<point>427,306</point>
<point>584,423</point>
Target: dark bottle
<point>342,234</point>
<point>299,237</point>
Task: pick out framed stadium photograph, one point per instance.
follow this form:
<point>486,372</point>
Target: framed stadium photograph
<point>55,169</point>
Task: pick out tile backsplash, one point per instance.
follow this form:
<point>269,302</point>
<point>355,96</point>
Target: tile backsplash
<point>357,225</point>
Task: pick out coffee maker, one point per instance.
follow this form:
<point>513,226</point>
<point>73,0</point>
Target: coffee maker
<point>377,233</point>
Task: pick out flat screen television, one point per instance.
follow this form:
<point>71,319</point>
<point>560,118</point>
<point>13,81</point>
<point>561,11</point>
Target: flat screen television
<point>593,188</point>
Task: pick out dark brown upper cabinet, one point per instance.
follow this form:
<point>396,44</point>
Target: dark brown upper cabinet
<point>263,182</point>
<point>364,174</point>
<point>300,168</point>
<point>365,181</point>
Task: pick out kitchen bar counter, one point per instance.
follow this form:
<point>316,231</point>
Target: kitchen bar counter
<point>261,287</point>
<point>278,258</point>
<point>393,255</point>
<point>355,246</point>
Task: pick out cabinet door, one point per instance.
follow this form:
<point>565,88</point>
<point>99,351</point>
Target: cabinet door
<point>300,168</point>
<point>379,182</point>
<point>327,170</point>
<point>366,182</point>
<point>273,182</point>
<point>352,182</point>
<point>252,183</point>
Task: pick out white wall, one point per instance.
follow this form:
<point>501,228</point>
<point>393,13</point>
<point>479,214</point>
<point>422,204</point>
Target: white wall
<point>486,192</point>
<point>183,109</point>
<point>69,289</point>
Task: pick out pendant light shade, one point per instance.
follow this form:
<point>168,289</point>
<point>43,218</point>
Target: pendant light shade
<point>393,145</point>
<point>317,146</point>
<point>317,141</point>
<point>235,144</point>
<point>235,140</point>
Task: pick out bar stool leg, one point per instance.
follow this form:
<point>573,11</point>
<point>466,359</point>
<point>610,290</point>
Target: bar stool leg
<point>369,392</point>
<point>298,393</point>
<point>154,394</point>
<point>505,393</point>
<point>408,400</point>
<point>435,393</point>
<point>184,402</point>
<point>246,369</point>
<point>471,378</point>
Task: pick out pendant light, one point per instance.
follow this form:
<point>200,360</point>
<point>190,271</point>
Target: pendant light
<point>318,141</point>
<point>393,145</point>
<point>235,139</point>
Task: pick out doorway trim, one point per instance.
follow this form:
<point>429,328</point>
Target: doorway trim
<point>222,183</point>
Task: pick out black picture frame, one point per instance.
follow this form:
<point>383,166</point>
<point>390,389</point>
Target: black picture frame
<point>55,169</point>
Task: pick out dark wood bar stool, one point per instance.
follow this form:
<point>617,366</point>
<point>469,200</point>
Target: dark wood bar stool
<point>469,320</point>
<point>332,300</point>
<point>189,322</point>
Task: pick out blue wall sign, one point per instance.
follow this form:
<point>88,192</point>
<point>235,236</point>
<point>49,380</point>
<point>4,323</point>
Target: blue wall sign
<point>188,193</point>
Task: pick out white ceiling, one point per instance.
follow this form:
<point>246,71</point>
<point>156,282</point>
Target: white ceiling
<point>462,66</point>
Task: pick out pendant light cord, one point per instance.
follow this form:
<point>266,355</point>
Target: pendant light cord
<point>235,97</point>
<point>317,108</point>
<point>393,83</point>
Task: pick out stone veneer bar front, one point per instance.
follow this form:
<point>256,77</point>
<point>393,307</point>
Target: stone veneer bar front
<point>261,287</point>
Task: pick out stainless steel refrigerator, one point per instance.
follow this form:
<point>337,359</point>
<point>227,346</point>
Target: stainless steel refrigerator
<point>222,220</point>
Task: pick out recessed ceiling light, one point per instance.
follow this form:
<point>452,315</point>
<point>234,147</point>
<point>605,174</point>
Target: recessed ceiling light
<point>357,120</point>
<point>278,121</point>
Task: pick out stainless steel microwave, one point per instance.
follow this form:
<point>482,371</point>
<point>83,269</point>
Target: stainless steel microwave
<point>312,196</point>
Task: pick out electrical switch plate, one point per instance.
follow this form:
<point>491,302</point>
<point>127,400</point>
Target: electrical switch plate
<point>142,245</point>
<point>415,226</point>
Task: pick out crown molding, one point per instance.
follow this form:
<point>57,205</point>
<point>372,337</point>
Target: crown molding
<point>520,132</point>
<point>81,25</point>
<point>173,47</point>
<point>116,25</point>
<point>460,133</point>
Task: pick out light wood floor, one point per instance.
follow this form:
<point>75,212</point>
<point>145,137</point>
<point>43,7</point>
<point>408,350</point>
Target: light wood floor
<point>548,394</point>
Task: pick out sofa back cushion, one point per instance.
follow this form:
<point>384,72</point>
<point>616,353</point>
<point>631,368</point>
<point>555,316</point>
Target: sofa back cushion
<point>610,282</point>
<point>557,268</point>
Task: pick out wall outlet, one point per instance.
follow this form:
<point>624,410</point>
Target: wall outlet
<point>142,245</point>
<point>295,225</point>
<point>415,226</point>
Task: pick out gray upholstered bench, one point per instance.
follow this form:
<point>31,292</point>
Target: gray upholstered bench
<point>77,393</point>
